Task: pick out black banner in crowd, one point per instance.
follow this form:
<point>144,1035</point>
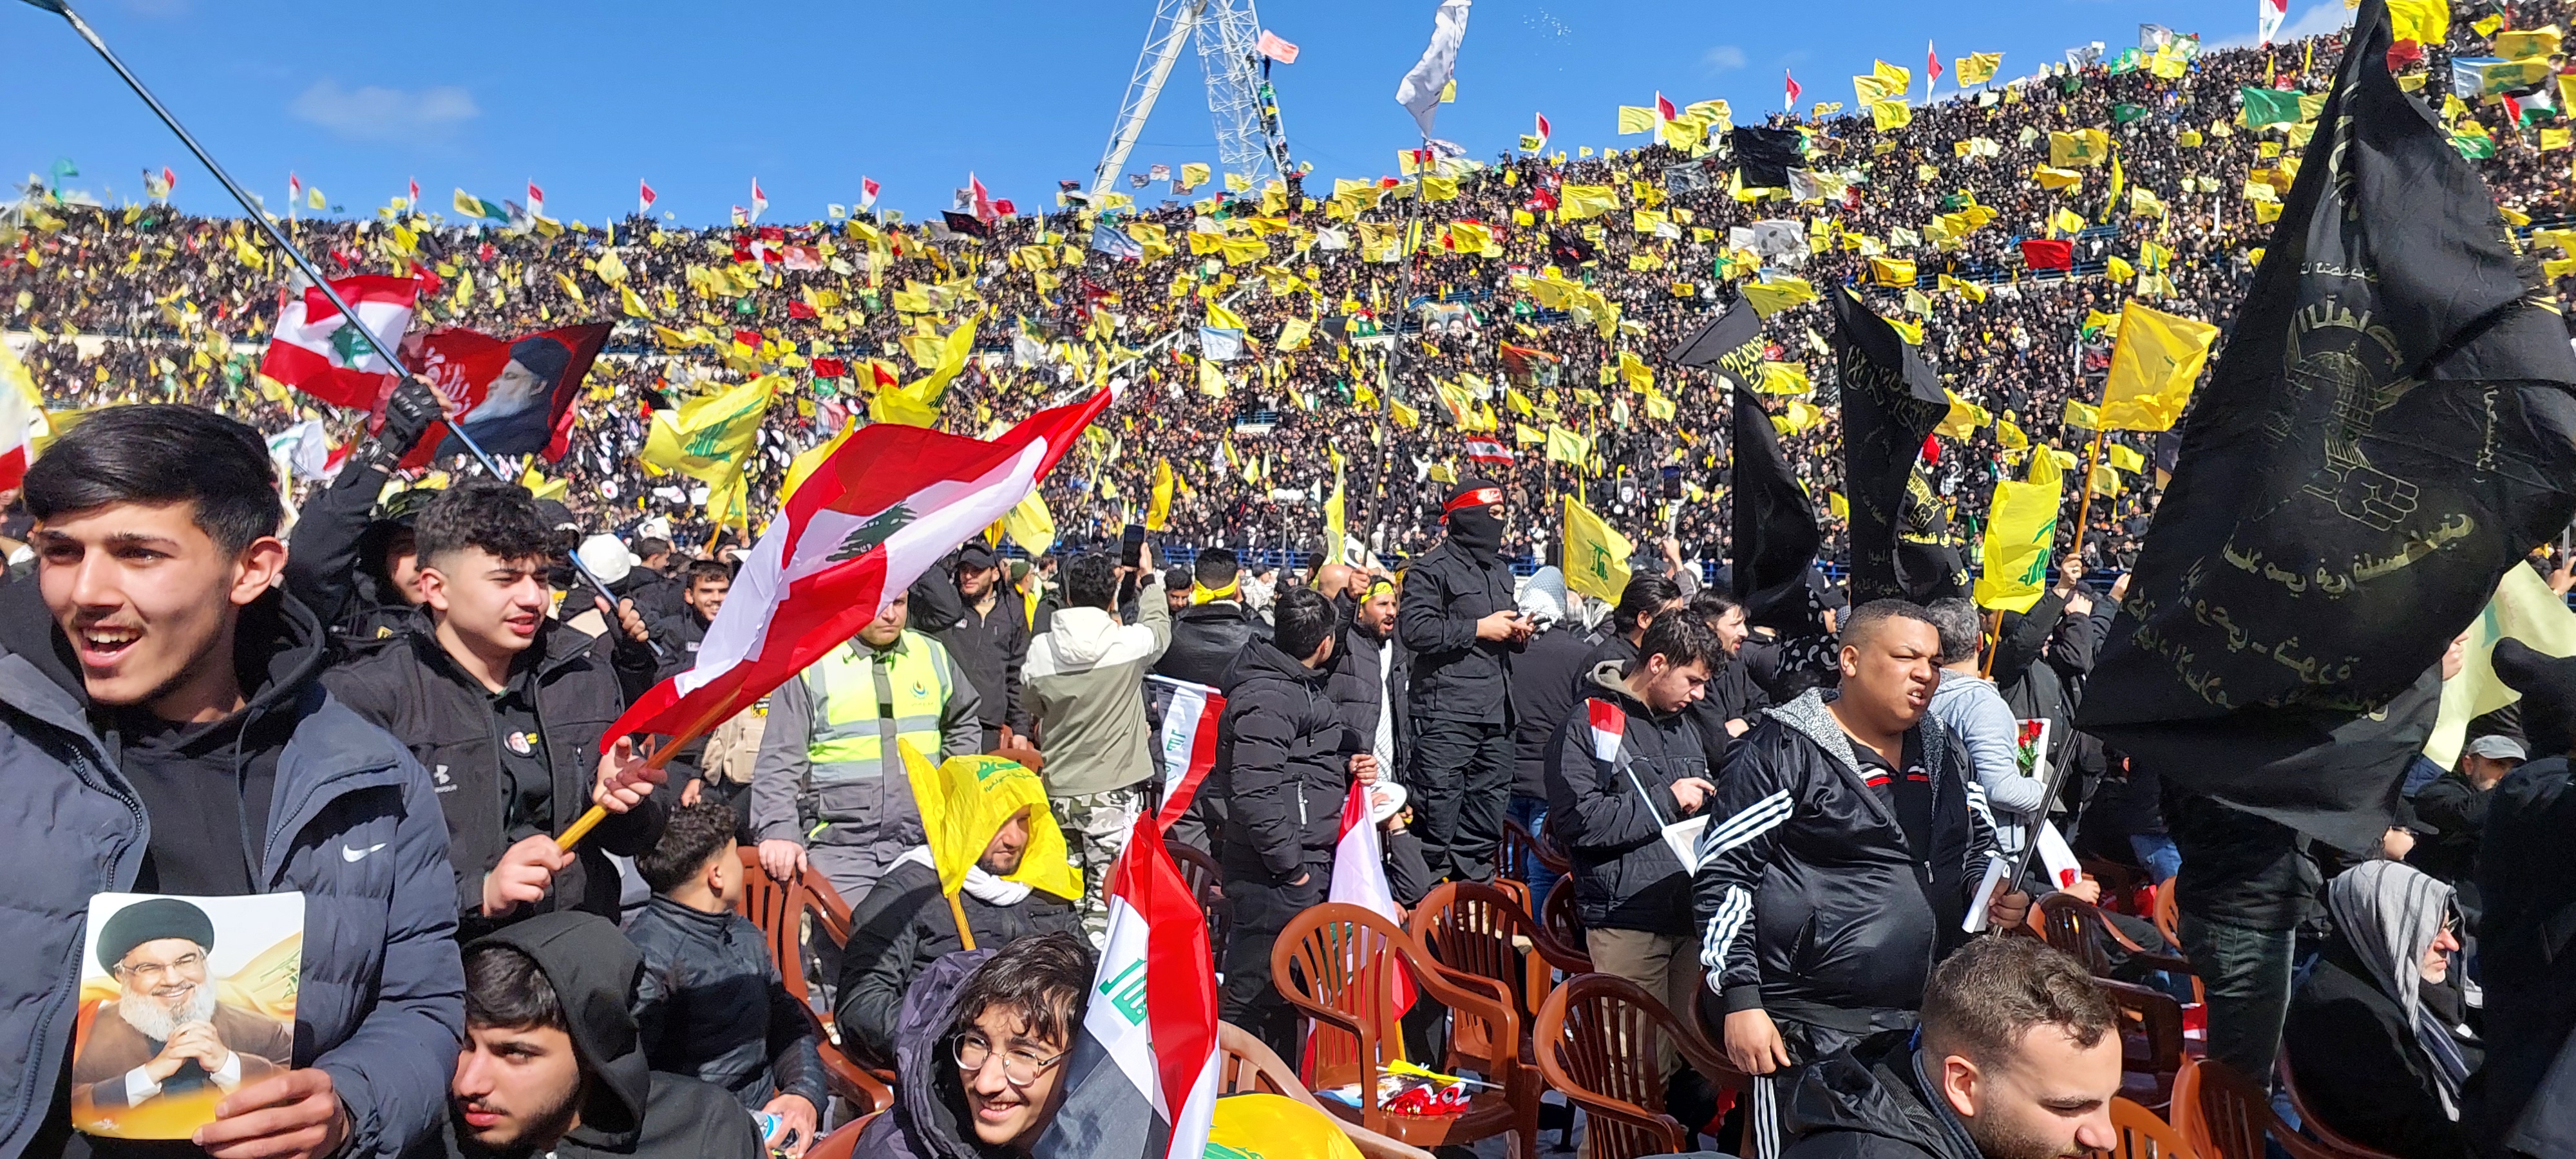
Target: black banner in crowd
<point>2390,428</point>
<point>1765,156</point>
<point>1775,526</point>
<point>1730,343</point>
<point>1891,401</point>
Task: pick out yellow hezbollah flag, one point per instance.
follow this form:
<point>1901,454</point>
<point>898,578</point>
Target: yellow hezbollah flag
<point>2523,609</point>
<point>1031,525</point>
<point>2081,147</point>
<point>1977,68</point>
<point>1779,294</point>
<point>1962,419</point>
<point>967,800</point>
<point>1581,201</point>
<point>706,436</point>
<point>1596,555</point>
<point>1636,119</point>
<point>2021,529</point>
<point>2153,367</point>
<point>1159,515</point>
<point>2079,415</point>
<point>1564,446</point>
<point>1892,113</point>
<point>1891,271</point>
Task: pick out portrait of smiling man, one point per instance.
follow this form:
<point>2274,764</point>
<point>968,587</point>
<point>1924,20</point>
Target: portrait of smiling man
<point>162,730</point>
<point>167,1032</point>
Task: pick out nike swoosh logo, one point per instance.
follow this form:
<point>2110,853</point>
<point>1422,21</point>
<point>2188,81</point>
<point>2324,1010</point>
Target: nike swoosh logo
<point>352,854</point>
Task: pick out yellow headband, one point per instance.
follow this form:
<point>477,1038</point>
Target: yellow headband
<point>1233,590</point>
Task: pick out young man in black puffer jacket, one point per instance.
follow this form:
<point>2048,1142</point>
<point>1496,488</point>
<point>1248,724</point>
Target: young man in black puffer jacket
<point>1625,763</point>
<point>1292,759</point>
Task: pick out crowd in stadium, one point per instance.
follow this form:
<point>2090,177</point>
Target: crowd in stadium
<point>1673,845</point>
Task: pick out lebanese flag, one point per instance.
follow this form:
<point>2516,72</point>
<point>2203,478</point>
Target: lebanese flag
<point>413,203</point>
<point>980,200</point>
<point>1359,878</point>
<point>868,192</point>
<point>1141,1083</point>
<point>876,513</point>
<point>644,196</point>
<point>1488,451</point>
<point>1794,90</point>
<point>316,351</point>
<point>1184,716</point>
<point>1664,110</point>
<point>2267,19</point>
<point>2048,254</point>
<point>536,199</point>
<point>759,200</point>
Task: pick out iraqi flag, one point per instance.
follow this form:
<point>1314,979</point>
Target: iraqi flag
<point>1184,716</point>
<point>22,416</point>
<point>514,396</point>
<point>1141,1082</point>
<point>1488,451</point>
<point>1359,878</point>
<point>875,514</point>
<point>317,351</point>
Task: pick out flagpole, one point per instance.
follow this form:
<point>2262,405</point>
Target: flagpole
<point>2084,510</point>
<point>302,263</point>
<point>1381,494</point>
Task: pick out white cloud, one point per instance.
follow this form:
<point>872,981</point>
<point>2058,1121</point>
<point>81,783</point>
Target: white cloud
<point>374,113</point>
<point>1723,58</point>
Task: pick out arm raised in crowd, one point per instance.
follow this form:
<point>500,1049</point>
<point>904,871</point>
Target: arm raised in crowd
<point>322,551</point>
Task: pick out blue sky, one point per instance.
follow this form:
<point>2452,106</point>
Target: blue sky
<point>587,96</point>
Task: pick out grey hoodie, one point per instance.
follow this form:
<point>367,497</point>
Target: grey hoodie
<point>1976,713</point>
<point>1083,686</point>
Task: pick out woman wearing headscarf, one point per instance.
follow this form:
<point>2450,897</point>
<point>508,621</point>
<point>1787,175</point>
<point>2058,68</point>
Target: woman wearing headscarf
<point>2377,1036</point>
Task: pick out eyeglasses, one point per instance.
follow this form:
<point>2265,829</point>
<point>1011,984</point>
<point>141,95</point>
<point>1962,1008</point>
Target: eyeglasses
<point>150,973</point>
<point>1019,1067</point>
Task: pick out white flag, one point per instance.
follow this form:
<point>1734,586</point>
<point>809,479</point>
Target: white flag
<point>1419,92</point>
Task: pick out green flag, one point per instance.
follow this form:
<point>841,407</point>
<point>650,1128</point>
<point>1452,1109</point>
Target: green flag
<point>2269,107</point>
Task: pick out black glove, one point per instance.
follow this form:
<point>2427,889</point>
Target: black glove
<point>409,415</point>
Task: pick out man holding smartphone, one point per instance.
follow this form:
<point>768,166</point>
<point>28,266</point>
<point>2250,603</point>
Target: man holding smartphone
<point>1457,618</point>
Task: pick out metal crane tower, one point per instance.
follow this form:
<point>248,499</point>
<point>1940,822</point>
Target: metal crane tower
<point>1249,137</point>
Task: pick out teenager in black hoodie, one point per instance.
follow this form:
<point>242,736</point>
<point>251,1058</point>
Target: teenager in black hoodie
<point>552,1063</point>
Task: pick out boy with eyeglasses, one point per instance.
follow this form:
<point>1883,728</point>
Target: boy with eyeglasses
<point>980,1051</point>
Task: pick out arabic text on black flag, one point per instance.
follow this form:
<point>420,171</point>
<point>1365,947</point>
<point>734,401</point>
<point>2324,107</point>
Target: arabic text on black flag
<point>1891,402</point>
<point>2388,430</point>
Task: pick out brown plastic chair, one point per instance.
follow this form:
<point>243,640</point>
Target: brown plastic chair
<point>1597,1040</point>
<point>1207,884</point>
<point>1551,852</point>
<point>2151,1042</point>
<point>839,1143</point>
<point>1480,935</point>
<point>2120,884</point>
<point>2144,1136</point>
<point>2070,924</point>
<point>1518,849</point>
<point>1337,964</point>
<point>1245,1064</point>
<point>2168,914</point>
<point>780,910</point>
<point>2225,1115</point>
<point>1560,931</point>
<point>2314,1127</point>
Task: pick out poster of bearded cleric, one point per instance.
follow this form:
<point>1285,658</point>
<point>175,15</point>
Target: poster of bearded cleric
<point>183,1000</point>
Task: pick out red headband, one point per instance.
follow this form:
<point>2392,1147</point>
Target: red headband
<point>1480,497</point>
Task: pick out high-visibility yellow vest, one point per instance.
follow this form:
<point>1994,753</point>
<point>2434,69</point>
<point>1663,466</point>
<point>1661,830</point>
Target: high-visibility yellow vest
<point>864,700</point>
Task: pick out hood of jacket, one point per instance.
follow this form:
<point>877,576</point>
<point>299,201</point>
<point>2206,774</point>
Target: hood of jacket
<point>1873,1087</point>
<point>1809,717</point>
<point>926,1109</point>
<point>593,969</point>
<point>1264,661</point>
<point>1083,635</point>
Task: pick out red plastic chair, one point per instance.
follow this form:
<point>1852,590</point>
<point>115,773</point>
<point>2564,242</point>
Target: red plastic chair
<point>1560,931</point>
<point>1337,964</point>
<point>2144,1136</point>
<point>781,910</point>
<point>1245,1064</point>
<point>2225,1115</point>
<point>1482,937</point>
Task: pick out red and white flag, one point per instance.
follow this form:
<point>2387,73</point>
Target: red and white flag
<point>1931,66</point>
<point>317,351</point>
<point>22,416</point>
<point>1141,1083</point>
<point>868,192</point>
<point>1609,726</point>
<point>1359,877</point>
<point>741,217</point>
<point>1488,451</point>
<point>1794,90</point>
<point>759,200</point>
<point>644,196</point>
<point>979,199</point>
<point>876,513</point>
<point>412,202</point>
<point>1543,131</point>
<point>1272,46</point>
<point>536,199</point>
<point>294,190</point>
<point>1664,110</point>
<point>2267,19</point>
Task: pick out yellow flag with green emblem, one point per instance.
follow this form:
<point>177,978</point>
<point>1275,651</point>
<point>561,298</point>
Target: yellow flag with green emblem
<point>705,437</point>
<point>2021,530</point>
<point>1596,555</point>
<point>2153,368</point>
<point>967,800</point>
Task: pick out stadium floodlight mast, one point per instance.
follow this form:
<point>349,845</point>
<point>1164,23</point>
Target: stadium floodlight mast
<point>1227,32</point>
<point>303,264</point>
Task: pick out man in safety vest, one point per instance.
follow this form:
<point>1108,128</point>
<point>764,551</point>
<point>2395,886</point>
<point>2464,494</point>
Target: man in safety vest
<point>829,788</point>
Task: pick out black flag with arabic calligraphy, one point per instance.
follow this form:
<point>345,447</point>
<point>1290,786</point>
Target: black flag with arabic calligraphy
<point>1890,402</point>
<point>2391,427</point>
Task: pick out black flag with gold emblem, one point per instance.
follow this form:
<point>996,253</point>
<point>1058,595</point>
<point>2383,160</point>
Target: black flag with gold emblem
<point>1775,537</point>
<point>2388,430</point>
<point>1891,402</point>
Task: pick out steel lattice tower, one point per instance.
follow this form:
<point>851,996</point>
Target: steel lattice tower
<point>1249,137</point>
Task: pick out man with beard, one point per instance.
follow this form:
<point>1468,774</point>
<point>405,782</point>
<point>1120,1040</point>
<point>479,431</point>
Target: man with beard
<point>1367,671</point>
<point>553,1065</point>
<point>990,642</point>
<point>2017,1058</point>
<point>1458,620</point>
<point>166,1033</point>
